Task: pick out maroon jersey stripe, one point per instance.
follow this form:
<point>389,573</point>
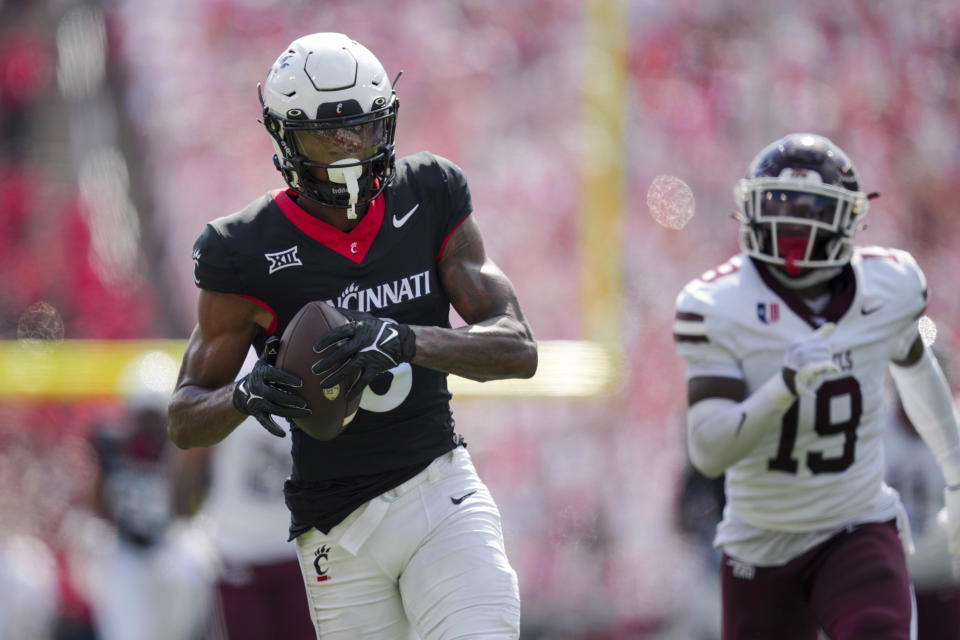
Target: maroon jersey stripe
<point>841,299</point>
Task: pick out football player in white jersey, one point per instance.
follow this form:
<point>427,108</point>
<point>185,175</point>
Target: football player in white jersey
<point>787,347</point>
<point>238,485</point>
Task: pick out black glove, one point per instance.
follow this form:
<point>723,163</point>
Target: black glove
<point>372,346</point>
<point>261,392</point>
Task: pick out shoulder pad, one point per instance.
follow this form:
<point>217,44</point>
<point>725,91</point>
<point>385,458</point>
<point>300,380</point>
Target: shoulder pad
<point>894,275</point>
<point>441,186</point>
<point>213,263</point>
<point>704,303</point>
<point>225,244</point>
<point>708,292</point>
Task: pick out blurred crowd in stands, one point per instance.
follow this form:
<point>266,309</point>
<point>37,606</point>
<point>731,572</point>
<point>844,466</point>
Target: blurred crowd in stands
<point>126,124</point>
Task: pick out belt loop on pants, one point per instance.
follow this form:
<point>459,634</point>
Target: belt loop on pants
<point>361,528</point>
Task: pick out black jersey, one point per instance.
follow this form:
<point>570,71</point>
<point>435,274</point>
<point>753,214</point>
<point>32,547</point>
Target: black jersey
<point>276,254</point>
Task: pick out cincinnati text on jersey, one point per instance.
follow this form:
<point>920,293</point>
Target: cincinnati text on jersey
<point>384,294</point>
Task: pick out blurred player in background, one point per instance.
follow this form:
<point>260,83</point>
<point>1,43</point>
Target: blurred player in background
<point>238,485</point>
<point>698,510</point>
<point>28,582</point>
<point>912,470</point>
<point>787,346</point>
<point>155,576</point>
<point>397,535</point>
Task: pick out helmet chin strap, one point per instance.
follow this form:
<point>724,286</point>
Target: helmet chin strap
<point>349,176</point>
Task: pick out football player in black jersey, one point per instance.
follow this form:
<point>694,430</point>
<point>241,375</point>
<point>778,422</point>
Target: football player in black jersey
<point>397,535</point>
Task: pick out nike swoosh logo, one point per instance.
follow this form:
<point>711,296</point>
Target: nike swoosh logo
<point>462,498</point>
<point>250,395</point>
<point>393,334</point>
<point>866,312</point>
<point>399,222</point>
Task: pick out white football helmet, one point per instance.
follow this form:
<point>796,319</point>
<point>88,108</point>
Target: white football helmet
<point>328,105</point>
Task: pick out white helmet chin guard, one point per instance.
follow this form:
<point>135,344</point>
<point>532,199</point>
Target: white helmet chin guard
<point>331,111</point>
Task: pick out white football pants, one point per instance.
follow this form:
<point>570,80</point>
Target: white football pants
<point>425,559</point>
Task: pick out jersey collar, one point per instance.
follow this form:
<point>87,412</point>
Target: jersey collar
<point>844,289</point>
<point>353,244</point>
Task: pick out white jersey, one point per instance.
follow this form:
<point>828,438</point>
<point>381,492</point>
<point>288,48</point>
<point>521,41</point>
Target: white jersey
<point>244,510</point>
<point>822,467</point>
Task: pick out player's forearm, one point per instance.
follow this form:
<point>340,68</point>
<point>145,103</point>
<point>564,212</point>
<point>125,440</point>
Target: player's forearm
<point>721,431</point>
<point>927,400</point>
<point>198,417</point>
<point>500,348</point>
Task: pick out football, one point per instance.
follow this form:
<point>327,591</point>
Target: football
<point>331,413</point>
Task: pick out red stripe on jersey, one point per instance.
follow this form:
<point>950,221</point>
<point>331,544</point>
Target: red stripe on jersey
<point>353,244</point>
<point>879,253</point>
<point>273,322</point>
<point>449,235</point>
<point>687,315</point>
